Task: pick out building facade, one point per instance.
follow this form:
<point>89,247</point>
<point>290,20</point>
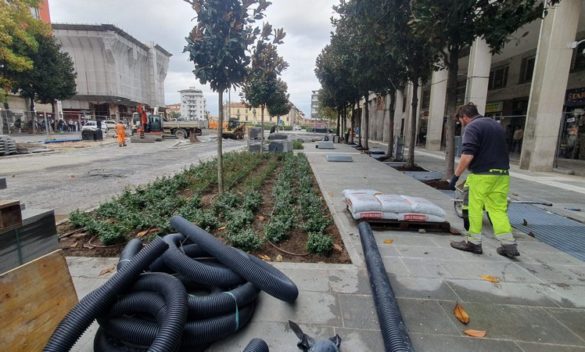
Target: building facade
<point>193,104</point>
<point>535,88</point>
<point>115,71</point>
<point>315,104</point>
<point>253,116</point>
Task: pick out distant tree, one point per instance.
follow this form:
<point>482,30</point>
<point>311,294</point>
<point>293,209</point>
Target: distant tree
<point>17,40</point>
<point>219,47</point>
<point>450,26</point>
<point>263,73</point>
<point>52,77</point>
<point>278,104</point>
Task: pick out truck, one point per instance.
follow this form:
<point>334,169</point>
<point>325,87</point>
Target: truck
<point>171,127</point>
<point>233,128</point>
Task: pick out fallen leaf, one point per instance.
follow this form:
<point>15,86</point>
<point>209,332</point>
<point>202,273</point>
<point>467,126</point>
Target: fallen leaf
<point>261,218</point>
<point>221,228</point>
<point>475,333</point>
<point>279,258</point>
<point>461,314</point>
<point>142,233</point>
<point>490,278</point>
<point>337,247</point>
<point>388,241</point>
<point>264,257</point>
<point>107,270</point>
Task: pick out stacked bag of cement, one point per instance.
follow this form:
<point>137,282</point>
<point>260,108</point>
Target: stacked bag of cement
<point>369,204</point>
<point>7,145</point>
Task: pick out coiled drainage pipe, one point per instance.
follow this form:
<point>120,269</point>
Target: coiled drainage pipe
<point>90,306</point>
<point>392,326</point>
<point>256,345</point>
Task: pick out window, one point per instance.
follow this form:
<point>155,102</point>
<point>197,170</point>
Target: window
<point>527,69</point>
<point>498,78</point>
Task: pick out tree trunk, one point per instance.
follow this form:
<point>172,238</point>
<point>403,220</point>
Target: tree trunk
<point>367,122</point>
<point>453,67</point>
<point>352,123</point>
<point>412,137</point>
<point>338,133</point>
<point>390,149</point>
<point>219,145</point>
<point>53,109</point>
<point>262,127</point>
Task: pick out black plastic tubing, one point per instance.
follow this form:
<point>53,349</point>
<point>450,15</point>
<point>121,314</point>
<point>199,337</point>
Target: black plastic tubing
<point>130,250</point>
<point>212,275</point>
<point>256,345</point>
<point>392,325</point>
<point>80,317</point>
<point>261,274</point>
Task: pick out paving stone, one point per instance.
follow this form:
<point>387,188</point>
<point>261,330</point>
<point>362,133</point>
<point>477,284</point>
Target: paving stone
<point>412,287</point>
<point>534,347</point>
<point>84,285</point>
<point>395,265</point>
<point>481,291</point>
<point>388,250</point>
<point>358,312</point>
<point>438,343</point>
<point>427,268</point>
<point>428,252</point>
<point>353,282</point>
<point>549,258</point>
<point>360,340</point>
<point>426,317</point>
<point>569,274</point>
<point>407,240</point>
<point>310,280</point>
<point>574,319</point>
<point>277,335</point>
<point>91,267</point>
<point>505,271</point>
<point>567,296</point>
<point>529,324</point>
<point>310,308</point>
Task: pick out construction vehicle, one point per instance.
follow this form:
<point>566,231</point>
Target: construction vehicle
<point>235,129</point>
<point>155,124</point>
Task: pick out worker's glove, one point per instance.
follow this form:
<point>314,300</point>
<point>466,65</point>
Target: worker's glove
<point>453,182</point>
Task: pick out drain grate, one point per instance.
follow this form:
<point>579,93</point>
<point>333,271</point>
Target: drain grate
<point>564,234</point>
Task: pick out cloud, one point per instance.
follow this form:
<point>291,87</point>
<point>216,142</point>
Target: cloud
<point>167,23</point>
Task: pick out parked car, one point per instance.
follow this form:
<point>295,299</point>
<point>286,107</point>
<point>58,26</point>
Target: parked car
<point>91,125</point>
<point>110,124</point>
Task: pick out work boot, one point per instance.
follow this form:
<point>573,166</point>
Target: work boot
<point>467,246</point>
<point>508,250</point>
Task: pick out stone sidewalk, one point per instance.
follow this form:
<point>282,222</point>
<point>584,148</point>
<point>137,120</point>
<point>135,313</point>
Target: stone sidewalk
<point>538,305</point>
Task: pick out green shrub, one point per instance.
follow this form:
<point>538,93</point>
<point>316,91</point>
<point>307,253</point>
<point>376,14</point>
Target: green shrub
<point>277,229</point>
<point>245,239</point>
<point>252,201</point>
<point>298,144</point>
<point>319,243</point>
<point>238,219</point>
<point>225,202</point>
<point>316,223</point>
<point>79,219</point>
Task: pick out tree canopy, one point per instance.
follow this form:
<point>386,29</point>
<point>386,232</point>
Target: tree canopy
<point>52,76</point>
<point>18,30</point>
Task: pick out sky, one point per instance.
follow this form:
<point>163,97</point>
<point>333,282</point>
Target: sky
<point>167,23</point>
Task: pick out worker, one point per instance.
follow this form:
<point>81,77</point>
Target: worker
<point>121,134</point>
<point>484,153</point>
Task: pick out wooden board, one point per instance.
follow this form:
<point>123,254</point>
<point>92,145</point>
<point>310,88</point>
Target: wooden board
<point>10,215</point>
<point>34,298</point>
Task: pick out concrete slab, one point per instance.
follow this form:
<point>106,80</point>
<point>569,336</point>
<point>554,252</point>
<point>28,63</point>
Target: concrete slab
<point>573,319</point>
<point>426,317</point>
<point>508,322</point>
<point>422,342</point>
<point>309,308</point>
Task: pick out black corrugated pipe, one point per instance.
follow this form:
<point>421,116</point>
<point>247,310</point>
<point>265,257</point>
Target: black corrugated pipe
<point>170,330</point>
<point>99,300</point>
<point>105,343</point>
<point>392,326</point>
<point>142,332</point>
<point>261,274</point>
<point>256,345</point>
<point>212,275</point>
<point>130,250</point>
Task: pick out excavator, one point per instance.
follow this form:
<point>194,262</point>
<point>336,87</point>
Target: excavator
<point>147,123</point>
<point>232,128</point>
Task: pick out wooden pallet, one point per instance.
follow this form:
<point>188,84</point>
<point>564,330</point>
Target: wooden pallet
<point>10,215</point>
<point>34,298</point>
<point>384,224</point>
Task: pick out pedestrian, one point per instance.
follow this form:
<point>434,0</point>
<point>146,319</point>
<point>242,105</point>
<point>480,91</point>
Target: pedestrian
<point>517,139</point>
<point>121,134</point>
<point>485,154</point>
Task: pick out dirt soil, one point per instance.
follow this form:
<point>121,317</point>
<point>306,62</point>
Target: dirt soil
<point>414,168</point>
<point>77,243</point>
<point>438,184</point>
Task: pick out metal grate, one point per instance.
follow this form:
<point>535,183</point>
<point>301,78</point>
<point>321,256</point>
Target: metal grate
<point>564,234</point>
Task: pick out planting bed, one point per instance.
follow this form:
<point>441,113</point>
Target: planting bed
<point>271,207</point>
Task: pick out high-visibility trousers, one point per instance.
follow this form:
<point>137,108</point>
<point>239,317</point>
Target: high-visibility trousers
<point>490,193</point>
